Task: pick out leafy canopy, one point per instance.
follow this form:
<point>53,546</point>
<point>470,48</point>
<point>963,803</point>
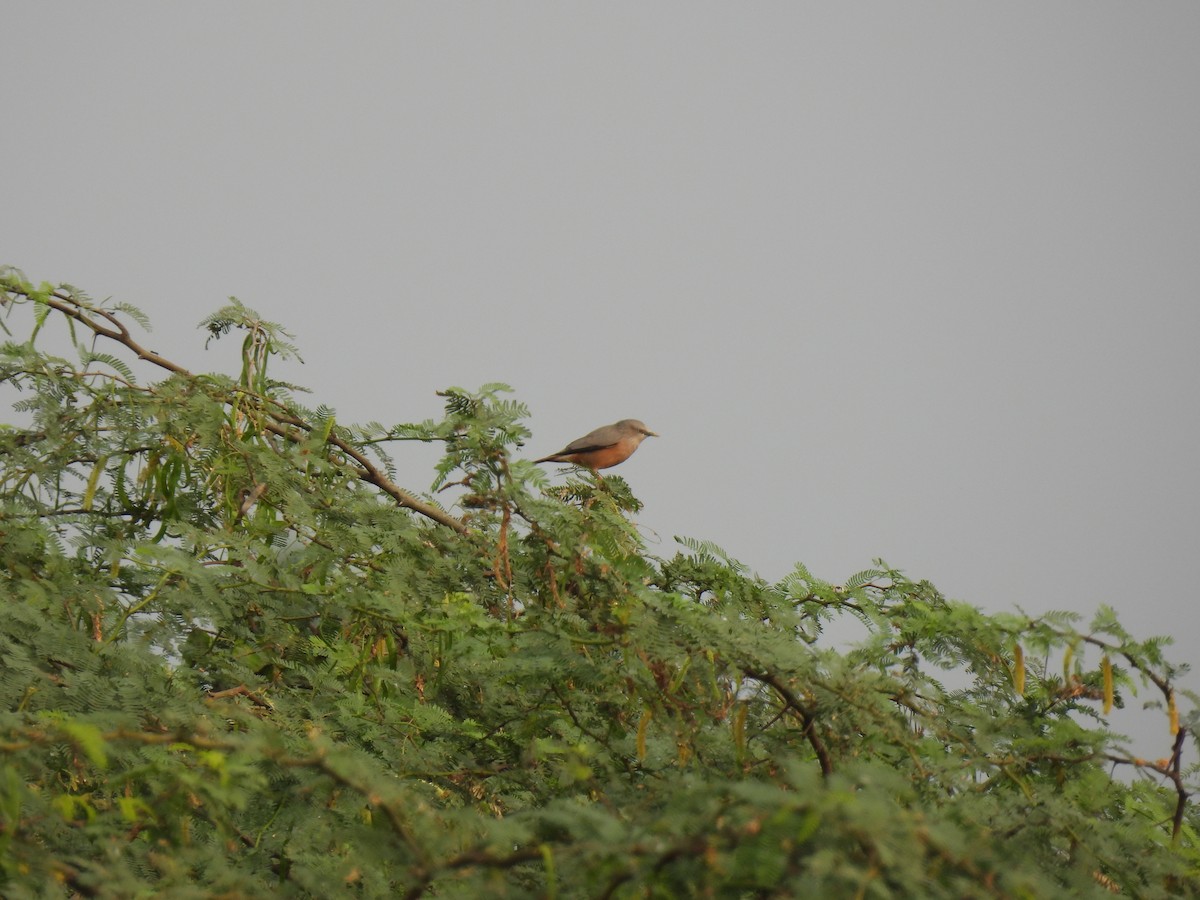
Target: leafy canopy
<point>237,659</point>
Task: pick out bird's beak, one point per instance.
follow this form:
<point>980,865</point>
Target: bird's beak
<point>652,434</point>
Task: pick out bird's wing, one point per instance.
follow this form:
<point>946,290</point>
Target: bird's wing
<point>596,440</point>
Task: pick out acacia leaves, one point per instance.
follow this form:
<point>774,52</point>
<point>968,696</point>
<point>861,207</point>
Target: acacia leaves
<point>237,659</point>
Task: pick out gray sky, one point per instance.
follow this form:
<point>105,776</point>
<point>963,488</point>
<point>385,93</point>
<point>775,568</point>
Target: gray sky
<point>919,281</point>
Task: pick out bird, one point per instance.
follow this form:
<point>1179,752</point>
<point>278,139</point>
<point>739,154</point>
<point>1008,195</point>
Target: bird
<point>605,447</point>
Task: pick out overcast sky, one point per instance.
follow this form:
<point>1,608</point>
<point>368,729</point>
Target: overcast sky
<point>919,281</point>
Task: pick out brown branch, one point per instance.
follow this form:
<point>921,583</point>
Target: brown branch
<point>807,717</point>
<point>1158,681</point>
<point>119,333</point>
<point>22,438</point>
<point>1172,770</point>
<point>241,691</point>
<point>367,471</point>
<point>363,468</point>
<point>470,859</point>
<point>1181,795</point>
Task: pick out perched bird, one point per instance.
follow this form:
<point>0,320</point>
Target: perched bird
<point>604,447</point>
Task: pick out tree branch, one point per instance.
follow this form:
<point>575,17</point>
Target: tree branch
<point>807,717</point>
<point>363,468</point>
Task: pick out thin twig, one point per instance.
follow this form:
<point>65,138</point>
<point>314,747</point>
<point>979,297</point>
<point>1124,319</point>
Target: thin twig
<point>807,717</point>
<point>363,468</point>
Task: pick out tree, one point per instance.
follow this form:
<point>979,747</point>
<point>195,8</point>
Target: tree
<point>238,660</point>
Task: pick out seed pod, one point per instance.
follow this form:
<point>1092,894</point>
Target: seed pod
<point>1106,670</point>
<point>739,730</point>
<point>641,734</point>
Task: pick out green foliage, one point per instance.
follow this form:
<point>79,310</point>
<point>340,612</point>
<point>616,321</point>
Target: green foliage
<point>236,660</point>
